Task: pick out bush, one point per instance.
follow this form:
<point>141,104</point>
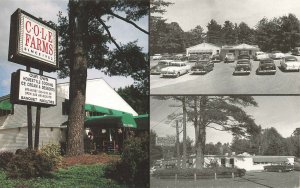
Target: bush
<point>52,153</point>
<point>133,168</point>
<point>27,164</point>
<point>5,158</point>
<point>206,172</point>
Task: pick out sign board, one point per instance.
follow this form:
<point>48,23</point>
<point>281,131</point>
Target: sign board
<point>166,141</point>
<point>32,42</point>
<point>32,88</point>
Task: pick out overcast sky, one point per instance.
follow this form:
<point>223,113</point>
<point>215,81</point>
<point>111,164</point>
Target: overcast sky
<point>281,112</point>
<point>48,10</point>
<point>190,13</point>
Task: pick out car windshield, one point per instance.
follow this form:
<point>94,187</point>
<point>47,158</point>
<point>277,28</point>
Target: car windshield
<point>177,64</point>
<point>229,55</point>
<point>276,52</point>
<point>162,63</point>
<point>201,62</point>
<point>290,58</point>
<point>266,62</point>
<point>243,62</point>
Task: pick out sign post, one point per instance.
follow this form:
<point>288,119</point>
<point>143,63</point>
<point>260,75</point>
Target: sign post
<point>33,43</point>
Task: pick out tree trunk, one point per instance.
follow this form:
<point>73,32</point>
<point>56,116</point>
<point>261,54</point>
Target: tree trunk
<point>78,74</point>
<point>184,157</point>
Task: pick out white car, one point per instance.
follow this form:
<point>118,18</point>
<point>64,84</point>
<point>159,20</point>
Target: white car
<point>260,55</point>
<point>290,63</point>
<point>176,69</point>
<point>156,56</point>
<point>277,55</point>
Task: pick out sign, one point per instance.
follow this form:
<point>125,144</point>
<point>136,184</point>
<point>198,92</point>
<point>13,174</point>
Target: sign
<point>32,88</point>
<point>166,141</point>
<point>32,42</point>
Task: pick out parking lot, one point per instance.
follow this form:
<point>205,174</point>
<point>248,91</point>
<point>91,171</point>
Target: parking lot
<point>250,180</point>
<point>221,81</point>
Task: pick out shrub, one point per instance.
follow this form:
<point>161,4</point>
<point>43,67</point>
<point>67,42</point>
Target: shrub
<point>206,172</point>
<point>133,168</point>
<point>27,164</point>
<point>52,153</point>
<point>5,158</point>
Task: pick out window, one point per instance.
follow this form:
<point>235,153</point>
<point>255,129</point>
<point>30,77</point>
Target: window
<point>65,107</point>
<point>223,162</point>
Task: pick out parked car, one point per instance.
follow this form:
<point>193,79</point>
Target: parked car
<point>161,64</point>
<point>296,51</point>
<point>277,55</point>
<point>175,69</point>
<point>202,67</point>
<point>243,57</point>
<point>216,58</point>
<point>193,57</point>
<point>290,63</point>
<point>156,56</point>
<point>229,57</point>
<point>284,167</point>
<point>260,55</point>
<point>266,66</point>
<point>243,66</point>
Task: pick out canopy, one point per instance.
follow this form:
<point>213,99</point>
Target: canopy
<point>5,103</point>
<point>95,108</point>
<point>111,121</point>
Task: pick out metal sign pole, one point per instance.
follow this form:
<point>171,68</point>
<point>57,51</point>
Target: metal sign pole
<point>37,124</point>
<point>29,120</point>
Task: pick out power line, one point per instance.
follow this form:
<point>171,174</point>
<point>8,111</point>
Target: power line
<point>165,118</point>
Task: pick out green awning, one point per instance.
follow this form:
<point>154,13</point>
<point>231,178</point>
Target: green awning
<point>107,121</point>
<point>142,121</point>
<point>6,105</point>
<point>95,108</point>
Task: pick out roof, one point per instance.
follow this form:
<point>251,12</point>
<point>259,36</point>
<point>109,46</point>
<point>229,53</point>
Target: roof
<point>271,159</point>
<point>203,46</point>
<point>241,46</point>
<point>99,93</point>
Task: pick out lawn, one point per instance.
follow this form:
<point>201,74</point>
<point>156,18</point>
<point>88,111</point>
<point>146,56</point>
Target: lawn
<point>84,171</point>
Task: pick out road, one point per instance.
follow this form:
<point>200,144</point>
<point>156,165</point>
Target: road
<point>250,180</point>
<point>221,81</point>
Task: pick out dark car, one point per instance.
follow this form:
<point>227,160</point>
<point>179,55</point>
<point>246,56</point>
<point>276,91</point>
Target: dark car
<point>244,57</point>
<point>266,66</point>
<point>161,64</point>
<point>216,58</point>
<point>284,167</point>
<point>202,67</point>
<point>243,66</point>
<point>193,58</point>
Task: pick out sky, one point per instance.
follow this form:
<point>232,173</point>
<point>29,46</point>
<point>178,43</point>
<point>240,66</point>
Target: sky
<point>190,13</point>
<point>48,10</point>
<point>280,112</point>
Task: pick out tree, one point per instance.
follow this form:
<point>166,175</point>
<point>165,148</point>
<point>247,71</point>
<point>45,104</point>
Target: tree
<point>228,36</point>
<point>214,32</point>
<point>223,113</point>
<point>84,44</point>
<point>290,31</point>
<point>194,36</point>
<point>135,98</point>
<point>245,34</point>
<point>272,142</point>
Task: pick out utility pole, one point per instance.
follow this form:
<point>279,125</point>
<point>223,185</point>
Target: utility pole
<point>177,144</point>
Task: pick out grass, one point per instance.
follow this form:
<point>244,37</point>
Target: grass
<point>78,176</point>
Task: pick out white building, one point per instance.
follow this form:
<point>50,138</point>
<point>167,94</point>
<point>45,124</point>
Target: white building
<point>203,48</point>
<point>101,100</point>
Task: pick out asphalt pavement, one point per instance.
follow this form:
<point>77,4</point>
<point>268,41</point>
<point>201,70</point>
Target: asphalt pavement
<point>222,81</point>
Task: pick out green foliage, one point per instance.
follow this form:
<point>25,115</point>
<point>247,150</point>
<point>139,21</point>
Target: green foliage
<point>81,176</point>
<point>27,164</point>
<point>52,153</point>
<point>133,168</point>
<point>189,173</point>
<point>5,158</point>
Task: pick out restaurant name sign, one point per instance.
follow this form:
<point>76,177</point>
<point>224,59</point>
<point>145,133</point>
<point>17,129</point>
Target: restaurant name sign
<point>32,42</point>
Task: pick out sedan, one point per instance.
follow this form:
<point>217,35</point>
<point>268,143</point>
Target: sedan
<point>216,58</point>
<point>202,67</point>
<point>157,57</point>
<point>229,57</point>
<point>242,66</point>
<point>277,55</point>
<point>290,63</point>
<point>175,69</point>
<point>193,57</point>
<point>161,64</point>
<point>279,168</point>
<point>266,66</point>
